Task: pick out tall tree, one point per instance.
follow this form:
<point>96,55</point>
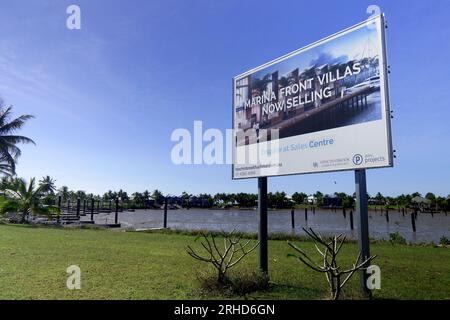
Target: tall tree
<point>47,185</point>
<point>9,151</point>
<point>299,197</point>
<point>138,199</point>
<point>65,193</point>
<point>158,196</point>
<point>318,198</point>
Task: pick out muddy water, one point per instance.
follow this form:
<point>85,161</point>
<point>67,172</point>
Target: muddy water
<point>325,221</point>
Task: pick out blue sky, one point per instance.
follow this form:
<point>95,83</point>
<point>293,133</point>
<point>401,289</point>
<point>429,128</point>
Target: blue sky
<point>107,97</point>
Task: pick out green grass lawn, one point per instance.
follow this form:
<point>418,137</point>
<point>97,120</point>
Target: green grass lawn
<point>130,265</point>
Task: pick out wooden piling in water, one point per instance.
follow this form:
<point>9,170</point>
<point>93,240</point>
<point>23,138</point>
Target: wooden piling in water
<point>306,214</point>
<point>344,213</point>
<point>60,208</point>
<point>292,219</point>
<point>351,219</point>
<point>413,222</point>
<point>92,209</point>
<point>116,217</point>
<point>78,207</point>
<point>387,215</point>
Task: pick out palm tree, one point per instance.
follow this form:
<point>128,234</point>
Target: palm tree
<point>138,199</point>
<point>65,193</point>
<point>5,167</point>
<point>158,196</point>
<point>26,200</point>
<point>81,194</point>
<point>9,151</point>
<point>48,185</point>
<point>186,196</point>
<point>261,84</point>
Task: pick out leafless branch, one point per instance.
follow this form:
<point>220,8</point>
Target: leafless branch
<point>330,266</point>
<point>225,258</point>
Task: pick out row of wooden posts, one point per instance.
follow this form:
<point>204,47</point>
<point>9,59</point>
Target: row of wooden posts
<point>94,204</point>
<point>91,208</point>
<point>404,212</point>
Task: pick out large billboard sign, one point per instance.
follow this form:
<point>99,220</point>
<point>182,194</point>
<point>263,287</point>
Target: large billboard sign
<point>321,108</point>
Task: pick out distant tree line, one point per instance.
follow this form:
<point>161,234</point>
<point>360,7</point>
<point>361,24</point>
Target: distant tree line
<point>278,200</point>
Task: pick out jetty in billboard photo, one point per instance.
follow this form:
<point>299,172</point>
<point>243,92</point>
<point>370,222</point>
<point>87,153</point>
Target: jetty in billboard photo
<point>331,84</point>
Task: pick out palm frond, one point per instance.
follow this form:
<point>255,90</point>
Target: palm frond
<point>4,114</point>
<point>13,194</point>
<point>47,211</point>
<point>15,124</point>
<point>9,206</point>
<point>9,151</point>
<point>6,156</point>
<point>13,139</point>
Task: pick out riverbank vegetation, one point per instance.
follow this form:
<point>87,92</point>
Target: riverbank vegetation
<point>276,200</point>
<point>132,265</point>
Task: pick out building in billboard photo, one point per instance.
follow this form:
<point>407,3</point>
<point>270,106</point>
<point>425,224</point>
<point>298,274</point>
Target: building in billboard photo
<point>331,85</point>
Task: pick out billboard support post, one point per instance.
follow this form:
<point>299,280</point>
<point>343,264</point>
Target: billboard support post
<point>262,232</point>
<point>363,226</point>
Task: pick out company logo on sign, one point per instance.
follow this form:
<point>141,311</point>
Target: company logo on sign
<point>357,159</point>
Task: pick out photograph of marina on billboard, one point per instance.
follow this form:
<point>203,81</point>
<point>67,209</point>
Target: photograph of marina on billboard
<point>331,85</point>
<point>338,82</point>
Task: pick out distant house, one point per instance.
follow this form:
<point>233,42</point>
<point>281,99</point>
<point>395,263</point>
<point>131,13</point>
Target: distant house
<point>289,201</point>
<point>420,200</point>
<point>150,202</point>
<point>312,200</point>
<point>332,201</point>
<point>421,203</point>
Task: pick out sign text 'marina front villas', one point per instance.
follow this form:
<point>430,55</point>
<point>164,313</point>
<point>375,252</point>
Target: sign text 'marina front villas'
<point>303,92</point>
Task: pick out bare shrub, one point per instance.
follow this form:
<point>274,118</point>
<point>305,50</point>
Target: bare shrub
<point>223,257</point>
<point>336,276</point>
